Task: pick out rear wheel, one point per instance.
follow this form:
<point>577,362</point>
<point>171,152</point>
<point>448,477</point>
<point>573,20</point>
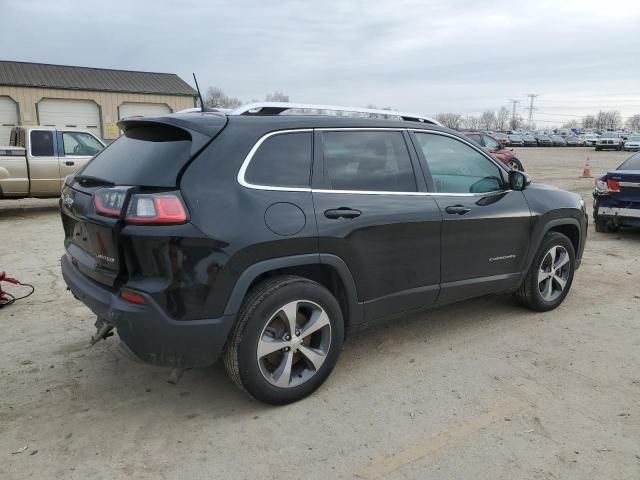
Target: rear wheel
<point>286,341</point>
<point>550,276</point>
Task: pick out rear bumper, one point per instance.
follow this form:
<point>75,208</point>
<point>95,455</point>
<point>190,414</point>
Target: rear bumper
<point>147,330</point>
<point>619,214</point>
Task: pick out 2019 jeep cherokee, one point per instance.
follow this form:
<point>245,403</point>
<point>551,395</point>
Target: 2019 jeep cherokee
<point>264,238</point>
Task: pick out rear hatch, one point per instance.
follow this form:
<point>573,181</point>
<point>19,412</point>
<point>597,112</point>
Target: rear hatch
<point>142,165</point>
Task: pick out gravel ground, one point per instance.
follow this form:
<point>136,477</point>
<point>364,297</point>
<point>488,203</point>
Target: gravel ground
<point>482,389</point>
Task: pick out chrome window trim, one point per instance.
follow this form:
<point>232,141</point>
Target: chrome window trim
<point>245,165</point>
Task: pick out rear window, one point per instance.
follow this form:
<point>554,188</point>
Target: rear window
<point>374,161</point>
<point>147,156</point>
<point>632,163</point>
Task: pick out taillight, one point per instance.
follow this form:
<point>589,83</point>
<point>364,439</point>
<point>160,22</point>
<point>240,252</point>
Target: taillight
<point>601,187</point>
<point>108,202</point>
<point>613,185</point>
<point>156,208</point>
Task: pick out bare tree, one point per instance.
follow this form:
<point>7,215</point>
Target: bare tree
<point>277,97</point>
<point>608,120</point>
<point>216,98</point>
<point>570,124</point>
<point>450,120</point>
<point>472,122</point>
<point>502,118</point>
<point>633,122</point>
<point>589,122</point>
<point>487,119</point>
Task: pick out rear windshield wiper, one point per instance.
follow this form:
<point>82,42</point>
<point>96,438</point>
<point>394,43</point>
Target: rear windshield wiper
<point>89,181</point>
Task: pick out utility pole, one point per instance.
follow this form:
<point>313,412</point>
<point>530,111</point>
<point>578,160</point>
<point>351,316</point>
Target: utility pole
<point>514,118</point>
<point>532,97</point>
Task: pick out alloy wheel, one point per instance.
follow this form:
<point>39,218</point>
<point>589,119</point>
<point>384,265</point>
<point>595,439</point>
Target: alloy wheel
<point>294,343</point>
<point>553,273</point>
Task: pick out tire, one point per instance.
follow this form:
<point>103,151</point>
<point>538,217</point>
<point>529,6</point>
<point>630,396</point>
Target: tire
<point>601,225</point>
<point>264,319</point>
<point>529,293</point>
<point>515,164</point>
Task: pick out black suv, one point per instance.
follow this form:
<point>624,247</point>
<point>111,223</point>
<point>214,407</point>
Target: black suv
<point>265,238</point>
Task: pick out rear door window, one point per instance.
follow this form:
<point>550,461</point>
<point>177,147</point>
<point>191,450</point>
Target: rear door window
<point>282,160</point>
<point>143,155</point>
<point>367,161</point>
<point>42,143</point>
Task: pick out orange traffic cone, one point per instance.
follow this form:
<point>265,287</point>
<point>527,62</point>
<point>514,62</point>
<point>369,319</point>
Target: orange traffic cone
<point>586,173</point>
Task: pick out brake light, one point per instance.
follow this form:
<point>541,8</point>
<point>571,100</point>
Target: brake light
<point>613,185</point>
<point>108,202</point>
<point>156,208</point>
<point>132,297</point>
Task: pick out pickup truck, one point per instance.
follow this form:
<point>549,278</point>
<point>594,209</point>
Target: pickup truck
<point>39,158</point>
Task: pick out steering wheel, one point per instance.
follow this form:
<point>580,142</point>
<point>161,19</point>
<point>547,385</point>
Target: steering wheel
<point>77,150</point>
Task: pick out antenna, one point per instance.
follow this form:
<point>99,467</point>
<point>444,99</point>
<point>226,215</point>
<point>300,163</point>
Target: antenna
<point>203,108</point>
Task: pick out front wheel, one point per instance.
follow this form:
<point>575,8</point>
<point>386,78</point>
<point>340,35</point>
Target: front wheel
<point>286,341</point>
<point>515,164</point>
<point>549,278</point>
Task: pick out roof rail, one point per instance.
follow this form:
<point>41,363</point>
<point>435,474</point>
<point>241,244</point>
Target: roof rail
<point>275,108</point>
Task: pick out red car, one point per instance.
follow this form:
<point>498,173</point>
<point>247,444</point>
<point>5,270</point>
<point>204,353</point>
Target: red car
<point>495,148</point>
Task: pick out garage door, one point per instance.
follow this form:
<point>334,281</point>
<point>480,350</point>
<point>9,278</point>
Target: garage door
<point>62,113</point>
<point>8,119</point>
<point>131,109</point>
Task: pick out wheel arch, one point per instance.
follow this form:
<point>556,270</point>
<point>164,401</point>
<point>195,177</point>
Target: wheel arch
<point>328,270</point>
<point>570,227</point>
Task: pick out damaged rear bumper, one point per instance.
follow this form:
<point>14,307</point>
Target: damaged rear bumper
<point>147,330</point>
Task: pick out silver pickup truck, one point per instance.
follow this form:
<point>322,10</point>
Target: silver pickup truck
<point>39,158</point>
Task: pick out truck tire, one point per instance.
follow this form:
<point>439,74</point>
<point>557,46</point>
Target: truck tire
<point>286,340</point>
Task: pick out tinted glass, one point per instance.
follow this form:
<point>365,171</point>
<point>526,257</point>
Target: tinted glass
<point>79,143</point>
<point>282,160</point>
<point>145,156</point>
<point>490,142</point>
<point>632,163</point>
<point>475,137</point>
<point>456,167</point>
<point>374,161</point>
<point>42,143</point>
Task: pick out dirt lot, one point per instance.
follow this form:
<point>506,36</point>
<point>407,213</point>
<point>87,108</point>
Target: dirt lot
<point>481,389</point>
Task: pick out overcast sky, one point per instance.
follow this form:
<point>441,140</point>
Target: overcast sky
<point>462,56</point>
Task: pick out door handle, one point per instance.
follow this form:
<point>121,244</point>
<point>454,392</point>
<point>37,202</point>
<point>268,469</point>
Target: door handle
<point>457,209</point>
<point>342,212</point>
<point>69,163</point>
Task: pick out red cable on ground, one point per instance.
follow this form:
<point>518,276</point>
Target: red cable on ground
<point>5,297</point>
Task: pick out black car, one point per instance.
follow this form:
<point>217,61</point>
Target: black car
<point>265,237</point>
<point>617,197</point>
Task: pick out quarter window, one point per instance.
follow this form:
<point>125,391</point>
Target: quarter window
<point>368,161</point>
<point>283,160</point>
<point>42,143</point>
<point>456,167</point>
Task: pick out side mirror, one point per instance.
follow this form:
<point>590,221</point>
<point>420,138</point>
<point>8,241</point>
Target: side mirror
<point>518,180</point>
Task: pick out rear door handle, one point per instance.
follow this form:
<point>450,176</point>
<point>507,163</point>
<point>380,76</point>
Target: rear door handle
<point>69,163</point>
<point>457,209</point>
<point>342,212</point>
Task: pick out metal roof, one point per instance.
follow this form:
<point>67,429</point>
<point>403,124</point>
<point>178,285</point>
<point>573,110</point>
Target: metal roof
<point>41,75</point>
